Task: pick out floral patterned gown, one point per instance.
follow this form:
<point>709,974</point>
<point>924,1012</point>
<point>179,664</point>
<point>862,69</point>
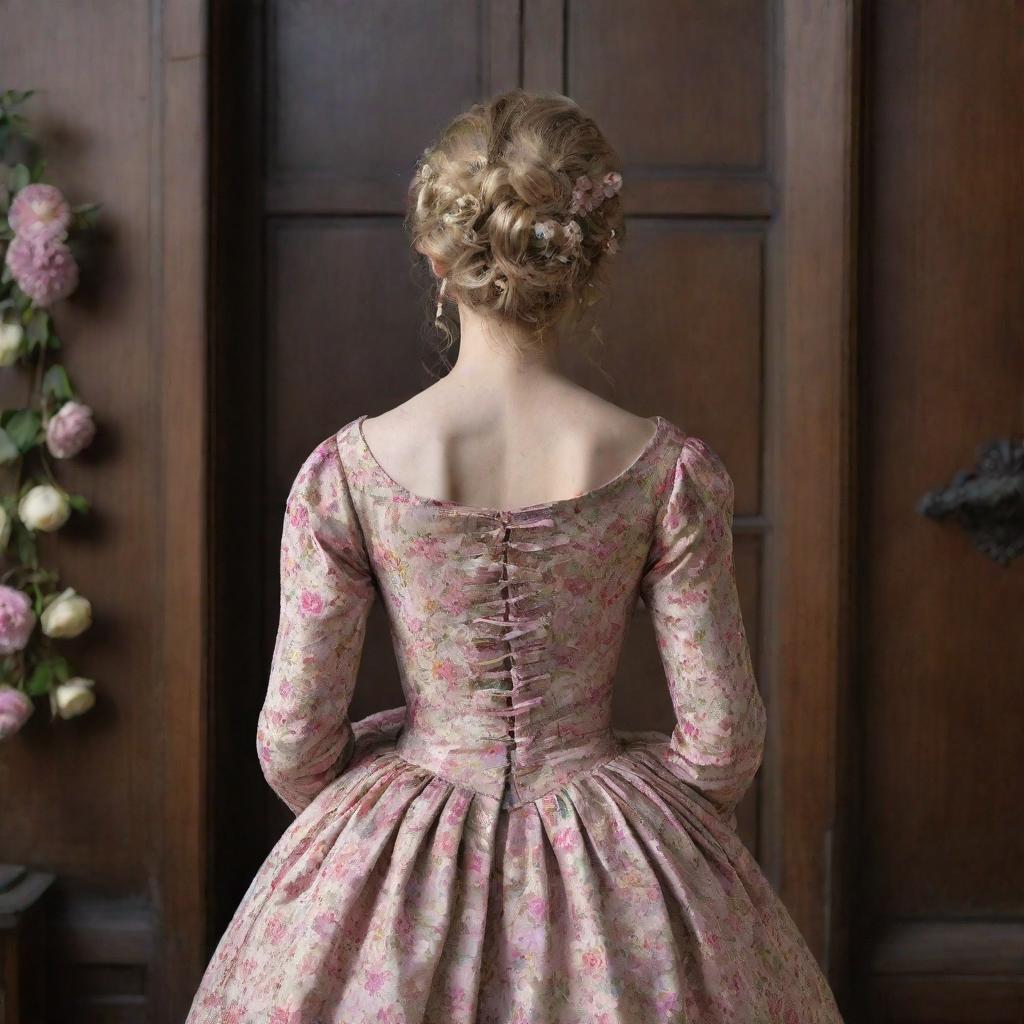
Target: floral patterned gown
<point>493,851</point>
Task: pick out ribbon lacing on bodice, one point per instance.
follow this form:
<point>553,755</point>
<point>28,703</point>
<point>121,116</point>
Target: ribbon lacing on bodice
<point>511,639</point>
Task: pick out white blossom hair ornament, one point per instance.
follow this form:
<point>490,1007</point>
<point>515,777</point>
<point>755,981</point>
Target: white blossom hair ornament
<point>564,248</point>
<point>573,236</point>
<point>545,229</point>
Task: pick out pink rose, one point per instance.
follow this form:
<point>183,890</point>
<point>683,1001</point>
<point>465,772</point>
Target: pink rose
<point>311,603</point>
<point>39,213</point>
<point>15,709</point>
<point>17,619</point>
<point>45,270</point>
<point>70,430</point>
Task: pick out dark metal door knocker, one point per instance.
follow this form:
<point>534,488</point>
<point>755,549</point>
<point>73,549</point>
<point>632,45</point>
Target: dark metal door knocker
<point>987,501</point>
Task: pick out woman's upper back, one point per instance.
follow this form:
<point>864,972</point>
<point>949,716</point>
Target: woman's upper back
<point>470,457</point>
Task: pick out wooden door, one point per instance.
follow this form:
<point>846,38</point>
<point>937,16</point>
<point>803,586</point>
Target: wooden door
<point>739,268</point>
<point>940,650</point>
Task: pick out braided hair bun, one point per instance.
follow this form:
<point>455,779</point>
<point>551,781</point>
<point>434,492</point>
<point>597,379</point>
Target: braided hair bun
<point>518,201</point>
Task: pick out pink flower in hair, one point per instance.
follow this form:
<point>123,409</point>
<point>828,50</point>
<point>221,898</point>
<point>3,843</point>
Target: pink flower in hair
<point>588,197</point>
<point>582,195</point>
<point>612,183</point>
<point>573,234</point>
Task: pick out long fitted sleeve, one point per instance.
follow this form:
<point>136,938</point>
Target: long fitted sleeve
<point>304,736</point>
<point>689,587</point>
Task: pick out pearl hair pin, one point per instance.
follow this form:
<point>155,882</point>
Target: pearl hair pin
<point>440,298</point>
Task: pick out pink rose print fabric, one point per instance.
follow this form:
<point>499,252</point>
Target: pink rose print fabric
<point>493,851</point>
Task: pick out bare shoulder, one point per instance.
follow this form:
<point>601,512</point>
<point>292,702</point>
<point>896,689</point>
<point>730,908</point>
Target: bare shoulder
<point>579,417</point>
<point>603,426</point>
<point>401,427</point>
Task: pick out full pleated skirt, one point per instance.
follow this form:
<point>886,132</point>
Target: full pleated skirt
<point>398,897</point>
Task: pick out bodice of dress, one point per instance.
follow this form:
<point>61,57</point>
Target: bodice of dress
<point>507,625</point>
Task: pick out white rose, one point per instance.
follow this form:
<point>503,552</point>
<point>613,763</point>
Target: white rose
<point>10,343</point>
<point>74,697</point>
<point>67,615</point>
<point>5,528</point>
<point>43,507</point>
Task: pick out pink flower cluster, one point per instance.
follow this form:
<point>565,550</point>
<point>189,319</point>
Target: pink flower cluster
<point>70,429</point>
<point>17,619</point>
<point>587,196</point>
<point>38,256</point>
<point>15,710</point>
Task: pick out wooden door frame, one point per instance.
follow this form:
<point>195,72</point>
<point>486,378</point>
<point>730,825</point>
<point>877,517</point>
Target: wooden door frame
<point>179,266</point>
<point>811,300</point>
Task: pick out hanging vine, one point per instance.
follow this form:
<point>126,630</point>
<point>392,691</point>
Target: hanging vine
<point>41,242</point>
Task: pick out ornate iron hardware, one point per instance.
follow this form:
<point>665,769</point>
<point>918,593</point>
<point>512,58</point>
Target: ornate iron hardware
<point>987,501</point>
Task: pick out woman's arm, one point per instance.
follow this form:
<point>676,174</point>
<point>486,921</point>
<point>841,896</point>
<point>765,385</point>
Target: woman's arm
<point>304,736</point>
<point>689,586</point>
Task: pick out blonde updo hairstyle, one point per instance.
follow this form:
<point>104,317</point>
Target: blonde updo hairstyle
<point>496,201</point>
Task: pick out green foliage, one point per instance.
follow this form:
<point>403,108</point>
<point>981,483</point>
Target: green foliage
<point>23,426</point>
<point>56,384</point>
<point>39,668</point>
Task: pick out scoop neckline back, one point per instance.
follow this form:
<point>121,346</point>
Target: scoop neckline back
<point>659,429</point>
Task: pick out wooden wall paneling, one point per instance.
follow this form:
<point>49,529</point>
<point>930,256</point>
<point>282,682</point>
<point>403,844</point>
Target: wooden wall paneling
<point>543,36</point>
<point>347,113</point>
<point>695,348</point>
<point>943,371</point>
<point>95,145</point>
<point>105,949</point>
<point>180,321</point>
<point>808,471</point>
<point>122,116</point>
<point>682,89</point>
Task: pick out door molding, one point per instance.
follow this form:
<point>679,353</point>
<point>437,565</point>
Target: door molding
<point>810,456</point>
<point>179,267</point>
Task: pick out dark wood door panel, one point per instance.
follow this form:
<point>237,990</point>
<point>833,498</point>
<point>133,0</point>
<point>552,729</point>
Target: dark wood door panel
<point>335,348</point>
<point>941,654</point>
<point>696,353</point>
<point>679,84</point>
<point>356,90</point>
